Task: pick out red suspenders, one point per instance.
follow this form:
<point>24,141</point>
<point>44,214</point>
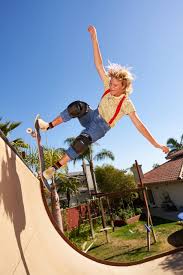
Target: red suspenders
<point>117,109</point>
<point>106,92</point>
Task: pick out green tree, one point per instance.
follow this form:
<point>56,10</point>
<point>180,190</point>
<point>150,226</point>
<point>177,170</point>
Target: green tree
<point>88,156</point>
<point>7,128</point>
<point>111,179</point>
<point>32,159</point>
<point>64,183</point>
<point>67,185</point>
<point>155,165</point>
<point>175,145</point>
<point>51,155</point>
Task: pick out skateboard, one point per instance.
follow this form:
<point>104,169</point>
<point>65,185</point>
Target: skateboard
<point>35,133</point>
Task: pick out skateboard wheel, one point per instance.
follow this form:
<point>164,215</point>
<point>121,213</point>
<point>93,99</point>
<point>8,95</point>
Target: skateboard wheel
<point>29,130</point>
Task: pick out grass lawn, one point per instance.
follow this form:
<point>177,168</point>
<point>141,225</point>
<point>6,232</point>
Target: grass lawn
<point>128,243</point>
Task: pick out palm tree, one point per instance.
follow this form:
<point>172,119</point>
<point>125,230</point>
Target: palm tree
<point>60,182</point>
<point>67,185</point>
<point>51,155</point>
<point>32,159</point>
<point>88,155</point>
<point>7,127</point>
<point>174,145</point>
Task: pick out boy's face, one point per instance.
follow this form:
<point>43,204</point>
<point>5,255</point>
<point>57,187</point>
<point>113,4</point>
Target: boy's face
<point>116,87</point>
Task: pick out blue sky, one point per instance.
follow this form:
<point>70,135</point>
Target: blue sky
<point>46,62</point>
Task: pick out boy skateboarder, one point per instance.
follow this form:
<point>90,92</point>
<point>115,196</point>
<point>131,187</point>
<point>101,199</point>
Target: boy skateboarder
<point>114,104</point>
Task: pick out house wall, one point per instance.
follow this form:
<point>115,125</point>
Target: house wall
<point>79,198</point>
<point>75,199</point>
<point>175,191</point>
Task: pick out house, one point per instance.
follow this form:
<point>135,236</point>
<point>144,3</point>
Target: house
<point>85,190</point>
<point>165,183</point>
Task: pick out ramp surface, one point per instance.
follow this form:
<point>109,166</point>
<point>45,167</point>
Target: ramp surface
<point>29,241</point>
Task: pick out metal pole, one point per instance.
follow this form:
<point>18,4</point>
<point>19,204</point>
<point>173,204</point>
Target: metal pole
<point>103,220</point>
<point>110,213</point>
<point>90,220</point>
<point>149,219</point>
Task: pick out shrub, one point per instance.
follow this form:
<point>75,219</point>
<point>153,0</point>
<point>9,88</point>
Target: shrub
<point>128,212</point>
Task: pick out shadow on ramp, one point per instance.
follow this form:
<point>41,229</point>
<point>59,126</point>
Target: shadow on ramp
<point>11,198</point>
<point>173,262</point>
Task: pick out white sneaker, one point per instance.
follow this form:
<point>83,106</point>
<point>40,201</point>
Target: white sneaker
<point>43,125</point>
<point>49,173</point>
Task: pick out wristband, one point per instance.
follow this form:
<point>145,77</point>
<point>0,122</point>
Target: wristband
<point>50,125</point>
<point>57,165</point>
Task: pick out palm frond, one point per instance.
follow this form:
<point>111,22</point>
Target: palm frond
<point>104,154</point>
<point>19,143</point>
<point>69,140</point>
<point>13,125</point>
<point>174,145</point>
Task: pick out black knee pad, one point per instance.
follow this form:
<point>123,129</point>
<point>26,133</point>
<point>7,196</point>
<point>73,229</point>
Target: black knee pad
<point>81,143</point>
<point>78,109</point>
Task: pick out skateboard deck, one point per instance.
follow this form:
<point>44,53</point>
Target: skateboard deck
<point>36,134</point>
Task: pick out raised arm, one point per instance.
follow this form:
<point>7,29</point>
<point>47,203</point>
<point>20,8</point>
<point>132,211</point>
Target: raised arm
<point>144,131</point>
<point>96,52</point>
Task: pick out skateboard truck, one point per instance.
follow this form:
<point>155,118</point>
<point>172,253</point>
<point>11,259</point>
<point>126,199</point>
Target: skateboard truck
<point>31,132</point>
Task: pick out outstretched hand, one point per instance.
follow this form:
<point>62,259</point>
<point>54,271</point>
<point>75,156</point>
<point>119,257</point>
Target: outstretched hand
<point>92,31</point>
<point>165,149</point>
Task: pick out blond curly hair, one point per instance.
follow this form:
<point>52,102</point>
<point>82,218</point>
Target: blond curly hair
<point>121,73</point>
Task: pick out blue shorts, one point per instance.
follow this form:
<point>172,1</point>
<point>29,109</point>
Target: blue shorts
<point>94,125</point>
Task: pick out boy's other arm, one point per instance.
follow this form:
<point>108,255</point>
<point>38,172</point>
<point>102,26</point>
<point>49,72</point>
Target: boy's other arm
<point>145,132</point>
<point>96,53</point>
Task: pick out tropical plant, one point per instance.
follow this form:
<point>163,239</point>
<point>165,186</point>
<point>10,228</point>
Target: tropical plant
<point>175,145</point>
<point>7,127</point>
<point>67,185</point>
<point>88,156</point>
<point>51,155</point>
<point>64,183</point>
<point>32,159</point>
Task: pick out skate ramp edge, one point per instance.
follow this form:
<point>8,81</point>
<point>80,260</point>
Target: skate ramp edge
<point>32,244</point>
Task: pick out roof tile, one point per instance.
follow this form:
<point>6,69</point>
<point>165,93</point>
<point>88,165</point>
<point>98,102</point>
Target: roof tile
<point>169,171</point>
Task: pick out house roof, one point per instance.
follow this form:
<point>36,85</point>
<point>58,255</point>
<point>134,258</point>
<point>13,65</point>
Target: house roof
<point>75,174</point>
<point>175,154</point>
<point>171,170</point>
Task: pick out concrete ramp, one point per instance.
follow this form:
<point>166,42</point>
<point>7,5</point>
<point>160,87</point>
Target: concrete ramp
<point>30,243</point>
